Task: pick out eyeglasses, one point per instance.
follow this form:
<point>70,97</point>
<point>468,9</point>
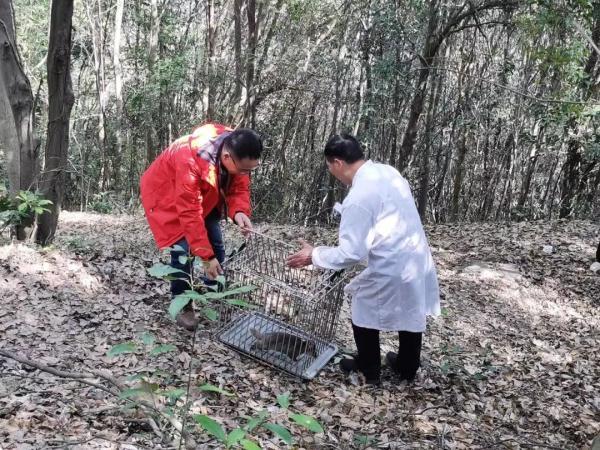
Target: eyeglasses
<point>241,170</point>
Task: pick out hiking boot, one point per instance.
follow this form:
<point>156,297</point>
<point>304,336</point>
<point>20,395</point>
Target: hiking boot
<point>187,318</point>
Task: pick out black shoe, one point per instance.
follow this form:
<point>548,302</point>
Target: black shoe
<point>391,359</point>
<point>348,365</point>
<point>373,381</point>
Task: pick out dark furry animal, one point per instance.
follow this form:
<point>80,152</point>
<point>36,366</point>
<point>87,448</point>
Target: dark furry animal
<point>289,344</point>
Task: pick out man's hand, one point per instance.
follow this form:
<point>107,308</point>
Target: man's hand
<point>243,221</point>
<point>213,269</point>
<point>301,258</point>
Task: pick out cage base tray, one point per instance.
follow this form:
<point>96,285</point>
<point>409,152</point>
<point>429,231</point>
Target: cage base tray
<point>236,334</point>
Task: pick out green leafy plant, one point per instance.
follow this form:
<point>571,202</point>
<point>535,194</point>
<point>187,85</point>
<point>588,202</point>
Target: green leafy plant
<point>25,204</point>
<point>102,203</point>
<point>362,441</point>
<point>237,437</point>
<point>150,386</point>
<point>206,297</point>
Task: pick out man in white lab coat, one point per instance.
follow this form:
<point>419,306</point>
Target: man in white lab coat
<point>380,226</point>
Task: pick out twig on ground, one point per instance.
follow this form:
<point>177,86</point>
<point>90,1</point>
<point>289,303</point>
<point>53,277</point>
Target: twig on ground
<point>189,383</point>
<point>84,378</point>
<point>426,409</point>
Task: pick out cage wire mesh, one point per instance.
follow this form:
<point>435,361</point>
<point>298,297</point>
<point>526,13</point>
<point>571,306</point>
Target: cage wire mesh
<point>293,313</point>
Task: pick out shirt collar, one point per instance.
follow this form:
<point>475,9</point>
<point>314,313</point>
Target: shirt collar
<point>361,171</point>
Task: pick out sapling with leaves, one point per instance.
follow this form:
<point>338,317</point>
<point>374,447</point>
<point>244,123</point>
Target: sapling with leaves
<point>238,436</point>
<point>149,391</point>
<point>199,291</point>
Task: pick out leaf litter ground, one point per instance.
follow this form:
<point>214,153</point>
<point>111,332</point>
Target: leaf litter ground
<point>512,362</point>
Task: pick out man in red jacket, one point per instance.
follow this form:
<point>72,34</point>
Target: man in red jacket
<point>189,186</point>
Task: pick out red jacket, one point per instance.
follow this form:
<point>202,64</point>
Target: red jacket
<point>181,187</point>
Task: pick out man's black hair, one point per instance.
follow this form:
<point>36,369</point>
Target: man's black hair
<point>244,143</point>
<point>345,147</point>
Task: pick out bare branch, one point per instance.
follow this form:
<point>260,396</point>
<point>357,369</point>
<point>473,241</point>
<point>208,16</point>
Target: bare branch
<point>516,91</point>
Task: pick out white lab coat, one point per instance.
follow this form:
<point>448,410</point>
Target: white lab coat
<point>380,224</point>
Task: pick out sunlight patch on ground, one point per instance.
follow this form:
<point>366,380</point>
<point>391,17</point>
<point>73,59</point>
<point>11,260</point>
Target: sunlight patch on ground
<point>87,218</point>
<point>504,283</point>
<point>52,269</point>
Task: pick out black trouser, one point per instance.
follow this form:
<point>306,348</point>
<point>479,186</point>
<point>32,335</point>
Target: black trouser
<point>213,230</point>
<point>369,353</point>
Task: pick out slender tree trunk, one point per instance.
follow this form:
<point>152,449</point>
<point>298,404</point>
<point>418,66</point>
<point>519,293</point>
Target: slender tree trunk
<point>583,186</point>
<point>365,112</point>
<point>458,177</point>
<point>94,13</point>
<point>268,39</point>
<point>250,62</point>
<point>507,189</point>
<point>118,92</point>
<point>430,48</point>
<point>531,166</point>
<point>429,127</point>
<point>60,102</point>
<point>551,173</point>
<point>237,47</point>
<point>151,135</point>
<point>209,93</point>
<point>571,172</point>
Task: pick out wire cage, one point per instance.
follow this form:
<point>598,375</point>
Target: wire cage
<point>293,313</point>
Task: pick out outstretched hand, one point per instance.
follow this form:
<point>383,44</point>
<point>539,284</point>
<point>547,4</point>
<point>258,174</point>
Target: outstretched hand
<point>301,258</point>
<point>243,221</point>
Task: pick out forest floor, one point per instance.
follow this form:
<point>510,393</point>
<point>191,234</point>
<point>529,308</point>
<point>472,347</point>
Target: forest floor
<point>513,362</point>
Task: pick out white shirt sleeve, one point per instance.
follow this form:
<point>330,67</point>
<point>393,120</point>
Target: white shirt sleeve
<point>356,222</point>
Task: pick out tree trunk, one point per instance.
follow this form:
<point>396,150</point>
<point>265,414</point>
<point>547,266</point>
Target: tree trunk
<point>94,13</point>
<point>571,172</point>
<point>364,114</point>
<point>250,61</point>
<point>151,135</point>
<point>434,39</point>
<point>572,167</point>
<point>60,102</point>
<point>16,118</point>
<point>429,126</point>
<point>118,92</point>
<point>268,39</point>
<point>430,49</point>
<point>209,92</point>
<point>458,177</point>
<point>237,47</point>
<point>510,165</point>
<point>533,158</point>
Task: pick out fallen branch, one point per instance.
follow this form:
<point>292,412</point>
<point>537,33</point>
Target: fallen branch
<point>57,443</point>
<point>85,379</point>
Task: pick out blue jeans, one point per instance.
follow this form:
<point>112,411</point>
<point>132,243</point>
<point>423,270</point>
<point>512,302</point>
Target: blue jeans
<point>215,236</point>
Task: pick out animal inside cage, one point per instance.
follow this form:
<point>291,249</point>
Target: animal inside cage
<point>294,312</point>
